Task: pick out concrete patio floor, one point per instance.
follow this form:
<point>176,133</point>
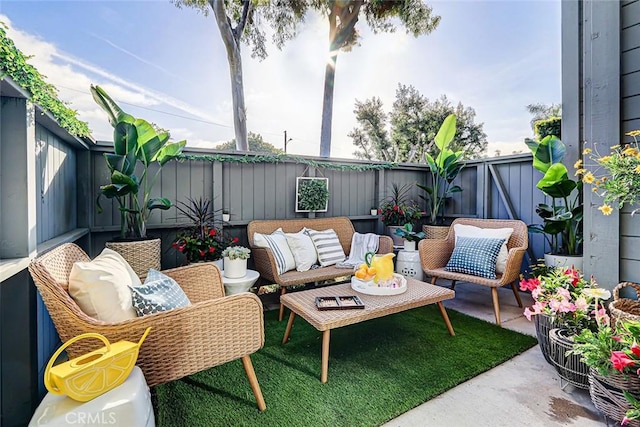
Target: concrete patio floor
<point>524,391</point>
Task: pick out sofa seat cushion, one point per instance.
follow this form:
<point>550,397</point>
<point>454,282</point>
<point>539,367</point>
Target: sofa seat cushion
<point>314,275</point>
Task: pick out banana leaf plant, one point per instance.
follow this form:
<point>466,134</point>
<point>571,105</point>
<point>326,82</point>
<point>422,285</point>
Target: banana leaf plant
<point>562,219</point>
<point>444,169</point>
<point>137,145</point>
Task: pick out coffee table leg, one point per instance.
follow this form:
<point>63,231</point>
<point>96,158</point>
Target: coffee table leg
<point>446,318</point>
<point>325,356</point>
<point>289,326</point>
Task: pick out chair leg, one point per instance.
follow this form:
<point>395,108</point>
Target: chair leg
<point>516,293</point>
<point>453,284</point>
<point>496,304</point>
<point>283,290</point>
<point>434,279</point>
<point>253,381</point>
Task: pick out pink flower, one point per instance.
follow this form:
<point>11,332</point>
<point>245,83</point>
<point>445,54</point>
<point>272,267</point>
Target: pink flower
<point>529,284</point>
<point>620,360</point>
<point>564,293</point>
<point>603,318</point>
<point>581,304</point>
<point>574,275</point>
<point>635,349</point>
<point>624,421</point>
<point>554,305</point>
<point>536,292</point>
<point>617,339</point>
<point>567,307</point>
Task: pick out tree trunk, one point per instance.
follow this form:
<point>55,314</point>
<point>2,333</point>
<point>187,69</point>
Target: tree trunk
<point>327,106</point>
<point>232,44</point>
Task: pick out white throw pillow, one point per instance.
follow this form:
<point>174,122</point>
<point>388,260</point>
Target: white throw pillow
<point>328,246</point>
<point>277,242</point>
<point>303,250</point>
<point>462,230</point>
<point>101,287</point>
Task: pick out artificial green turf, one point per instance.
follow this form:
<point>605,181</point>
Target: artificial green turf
<point>377,370</point>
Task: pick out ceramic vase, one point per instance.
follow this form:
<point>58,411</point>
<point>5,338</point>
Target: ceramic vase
<point>235,268</point>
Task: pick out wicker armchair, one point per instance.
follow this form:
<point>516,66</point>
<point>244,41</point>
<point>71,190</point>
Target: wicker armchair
<point>213,330</point>
<point>434,255</point>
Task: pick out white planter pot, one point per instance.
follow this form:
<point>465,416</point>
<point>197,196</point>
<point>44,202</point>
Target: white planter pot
<point>563,261</point>
<point>226,217</point>
<point>235,268</point>
<point>374,211</point>
<point>409,246</point>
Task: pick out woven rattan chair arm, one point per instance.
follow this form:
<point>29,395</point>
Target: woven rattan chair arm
<point>434,253</point>
<point>265,264</point>
<point>514,263</point>
<point>385,245</point>
<point>200,281</point>
<point>189,339</point>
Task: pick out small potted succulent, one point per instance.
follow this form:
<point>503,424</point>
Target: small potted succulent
<point>226,216</point>
<point>410,237</point>
<point>235,261</point>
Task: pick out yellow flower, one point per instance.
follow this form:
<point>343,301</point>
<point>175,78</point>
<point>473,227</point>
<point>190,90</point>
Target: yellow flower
<point>613,147</point>
<point>637,169</point>
<point>586,151</point>
<point>588,178</point>
<point>630,151</point>
<point>633,133</point>
<point>594,189</point>
<point>580,171</point>
<point>598,182</point>
<point>604,159</point>
<point>605,209</point>
<point>577,164</point>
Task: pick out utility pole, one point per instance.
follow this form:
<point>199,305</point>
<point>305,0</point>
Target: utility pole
<point>286,141</point>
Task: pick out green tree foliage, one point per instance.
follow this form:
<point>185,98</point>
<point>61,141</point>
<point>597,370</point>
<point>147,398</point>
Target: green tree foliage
<point>256,143</point>
<point>548,127</point>
<point>542,112</point>
<point>408,132</point>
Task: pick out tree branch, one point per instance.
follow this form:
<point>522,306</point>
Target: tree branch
<point>224,25</point>
<point>247,8</point>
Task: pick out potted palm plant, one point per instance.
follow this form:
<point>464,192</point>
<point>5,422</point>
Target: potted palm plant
<point>562,219</point>
<point>137,147</point>
<point>444,169</point>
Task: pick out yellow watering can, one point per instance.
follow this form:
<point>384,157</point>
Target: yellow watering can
<point>383,265</point>
<point>95,373</point>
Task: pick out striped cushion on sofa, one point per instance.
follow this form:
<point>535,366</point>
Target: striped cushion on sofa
<point>327,245</point>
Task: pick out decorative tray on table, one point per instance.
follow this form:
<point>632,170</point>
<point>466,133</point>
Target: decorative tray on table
<point>339,303</point>
<point>394,286</point>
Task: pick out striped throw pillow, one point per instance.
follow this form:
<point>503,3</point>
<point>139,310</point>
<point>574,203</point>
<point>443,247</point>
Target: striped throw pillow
<point>328,246</point>
<point>277,242</point>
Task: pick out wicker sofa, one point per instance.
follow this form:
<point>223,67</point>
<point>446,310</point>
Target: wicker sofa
<point>265,262</point>
<point>214,330</point>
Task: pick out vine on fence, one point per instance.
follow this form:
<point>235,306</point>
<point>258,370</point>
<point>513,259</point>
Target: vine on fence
<point>14,64</point>
<point>278,158</point>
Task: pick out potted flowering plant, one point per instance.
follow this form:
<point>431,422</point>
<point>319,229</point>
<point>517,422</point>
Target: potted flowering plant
<point>397,210</point>
<point>613,357</point>
<point>565,304</point>
<point>619,182</point>
<point>235,261</point>
<point>202,241</point>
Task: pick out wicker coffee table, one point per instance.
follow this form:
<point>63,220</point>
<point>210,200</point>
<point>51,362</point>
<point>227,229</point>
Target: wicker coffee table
<point>303,304</point>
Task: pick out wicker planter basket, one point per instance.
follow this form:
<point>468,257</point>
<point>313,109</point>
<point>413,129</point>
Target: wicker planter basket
<point>624,309</point>
<point>544,324</point>
<point>570,367</point>
<point>141,255</point>
<point>435,231</point>
<point>607,397</point>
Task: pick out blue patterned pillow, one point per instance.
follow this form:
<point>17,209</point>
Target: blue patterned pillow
<point>159,292</point>
<point>476,256</point>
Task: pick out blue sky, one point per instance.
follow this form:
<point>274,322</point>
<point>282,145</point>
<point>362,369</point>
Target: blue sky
<point>493,56</point>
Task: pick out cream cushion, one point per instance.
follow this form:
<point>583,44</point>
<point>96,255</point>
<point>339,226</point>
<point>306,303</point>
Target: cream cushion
<point>303,249</point>
<point>277,242</point>
<point>462,230</point>
<point>101,287</point>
